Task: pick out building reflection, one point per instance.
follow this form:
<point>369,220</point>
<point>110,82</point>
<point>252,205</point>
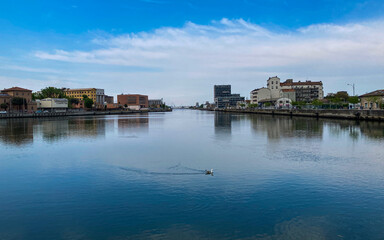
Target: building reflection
<point>223,124</point>
<point>23,131</point>
<point>277,127</point>
<point>130,125</point>
<point>16,131</point>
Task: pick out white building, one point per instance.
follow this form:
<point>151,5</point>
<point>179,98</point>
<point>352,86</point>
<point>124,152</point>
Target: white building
<point>53,104</point>
<point>273,83</point>
<point>296,91</point>
<point>260,94</point>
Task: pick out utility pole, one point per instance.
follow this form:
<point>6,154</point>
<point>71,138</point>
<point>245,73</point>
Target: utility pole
<point>353,87</point>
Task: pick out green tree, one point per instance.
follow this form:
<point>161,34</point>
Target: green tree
<point>353,100</point>
<point>4,106</point>
<point>49,92</point>
<point>317,103</point>
<point>88,102</point>
<point>85,96</point>
<point>72,101</point>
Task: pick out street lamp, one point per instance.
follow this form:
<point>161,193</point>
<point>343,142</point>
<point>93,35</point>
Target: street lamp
<point>353,86</point>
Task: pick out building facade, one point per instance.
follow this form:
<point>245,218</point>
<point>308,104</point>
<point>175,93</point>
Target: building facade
<point>5,101</point>
<point>24,95</point>
<point>224,98</point>
<point>273,84</point>
<point>109,99</point>
<point>260,94</point>
<point>373,100</point>
<point>53,104</point>
<point>96,94</point>
<point>133,100</point>
<point>156,103</point>
<point>307,91</point>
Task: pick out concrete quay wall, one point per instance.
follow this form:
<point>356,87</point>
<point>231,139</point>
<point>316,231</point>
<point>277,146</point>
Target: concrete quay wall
<point>369,115</point>
<point>70,114</point>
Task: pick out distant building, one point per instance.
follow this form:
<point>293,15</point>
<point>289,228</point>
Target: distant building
<point>17,92</point>
<point>5,101</point>
<point>289,93</point>
<point>108,99</point>
<point>224,98</point>
<point>373,100</point>
<point>96,94</point>
<point>295,91</point>
<point>53,104</point>
<point>133,100</point>
<point>155,103</point>
<point>221,91</point>
<point>260,94</point>
<point>305,91</point>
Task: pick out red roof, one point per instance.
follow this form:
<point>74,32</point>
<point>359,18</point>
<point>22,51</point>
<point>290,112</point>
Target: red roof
<point>16,89</point>
<point>288,90</point>
<point>300,83</point>
<point>374,93</point>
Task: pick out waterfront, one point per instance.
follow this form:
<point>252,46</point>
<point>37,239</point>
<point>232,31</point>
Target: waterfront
<point>141,177</point>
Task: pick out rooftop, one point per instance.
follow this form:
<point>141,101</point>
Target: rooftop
<point>16,89</point>
<point>374,93</point>
<point>291,83</point>
<point>288,90</point>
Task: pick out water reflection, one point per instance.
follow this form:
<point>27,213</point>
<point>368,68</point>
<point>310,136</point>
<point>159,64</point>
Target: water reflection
<point>130,126</point>
<point>223,124</point>
<point>23,131</point>
<point>16,131</point>
<point>278,127</point>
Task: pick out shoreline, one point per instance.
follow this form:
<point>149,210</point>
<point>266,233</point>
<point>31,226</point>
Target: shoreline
<point>71,114</point>
<point>359,115</point>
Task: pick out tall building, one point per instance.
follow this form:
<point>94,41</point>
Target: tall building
<point>305,91</point>
<point>224,98</point>
<point>221,91</point>
<point>273,84</point>
<point>96,94</point>
<point>133,100</point>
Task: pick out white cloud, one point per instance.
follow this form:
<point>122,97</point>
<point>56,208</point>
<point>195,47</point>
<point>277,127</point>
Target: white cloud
<point>239,52</point>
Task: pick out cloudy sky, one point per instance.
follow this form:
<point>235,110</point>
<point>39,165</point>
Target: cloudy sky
<point>178,49</point>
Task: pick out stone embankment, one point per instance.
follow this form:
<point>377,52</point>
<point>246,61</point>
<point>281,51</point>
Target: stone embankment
<point>82,113</point>
<point>371,115</point>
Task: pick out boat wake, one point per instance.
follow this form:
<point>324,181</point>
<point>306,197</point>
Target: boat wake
<point>140,171</point>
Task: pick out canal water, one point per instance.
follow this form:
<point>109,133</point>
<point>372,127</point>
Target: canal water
<point>142,177</point>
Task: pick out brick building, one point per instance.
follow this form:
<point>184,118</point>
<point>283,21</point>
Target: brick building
<point>133,100</point>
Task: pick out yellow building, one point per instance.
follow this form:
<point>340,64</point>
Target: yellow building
<point>97,95</point>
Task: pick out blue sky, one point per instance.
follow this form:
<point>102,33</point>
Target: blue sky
<point>179,49</point>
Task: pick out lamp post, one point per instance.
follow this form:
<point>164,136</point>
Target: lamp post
<point>353,87</point>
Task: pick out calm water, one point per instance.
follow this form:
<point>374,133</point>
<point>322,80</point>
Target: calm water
<point>141,177</point>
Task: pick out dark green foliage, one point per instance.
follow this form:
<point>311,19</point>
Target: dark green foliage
<point>353,100</point>
<point>4,106</point>
<point>88,102</point>
<point>18,101</point>
<point>49,92</point>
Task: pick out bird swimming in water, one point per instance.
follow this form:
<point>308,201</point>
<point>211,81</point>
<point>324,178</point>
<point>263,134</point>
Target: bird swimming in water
<point>209,172</point>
